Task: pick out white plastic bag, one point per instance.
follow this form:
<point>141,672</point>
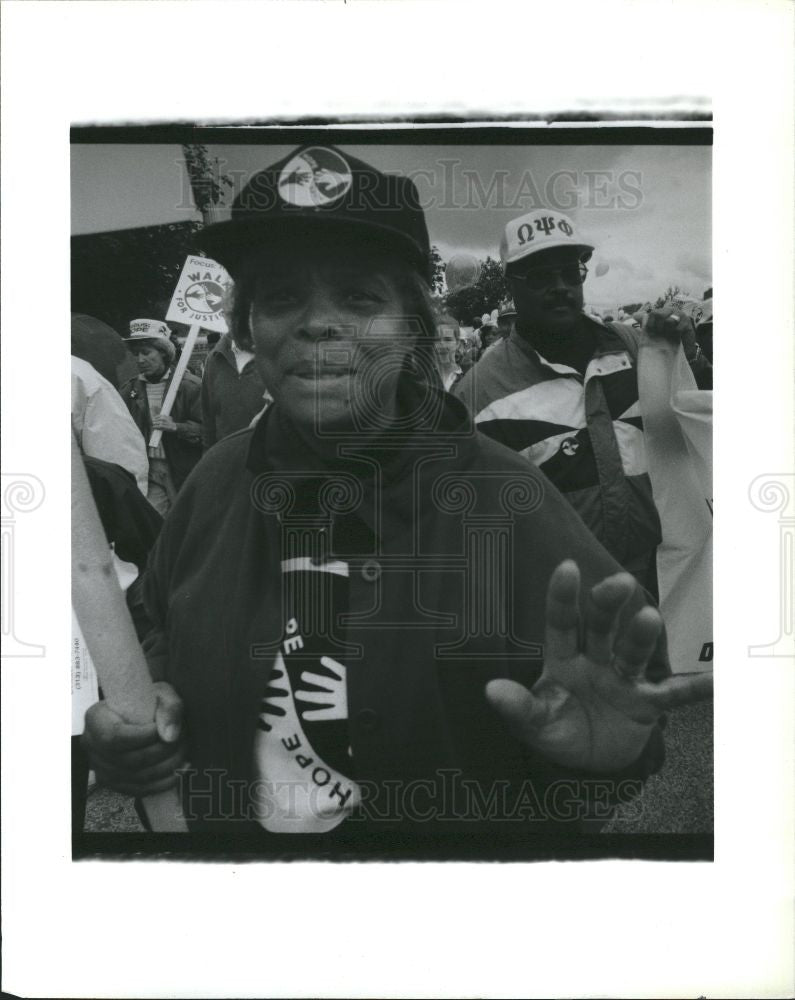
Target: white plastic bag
<point>677,422</point>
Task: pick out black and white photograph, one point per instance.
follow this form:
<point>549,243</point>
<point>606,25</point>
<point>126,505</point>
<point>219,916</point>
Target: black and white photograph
<point>419,550</point>
<point>404,608</point>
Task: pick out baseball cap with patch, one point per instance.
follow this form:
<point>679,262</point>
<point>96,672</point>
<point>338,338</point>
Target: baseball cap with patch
<point>542,229</point>
<point>153,330</point>
<point>321,186</point>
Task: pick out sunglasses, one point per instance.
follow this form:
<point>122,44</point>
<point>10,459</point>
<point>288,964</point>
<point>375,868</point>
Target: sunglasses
<point>539,278</point>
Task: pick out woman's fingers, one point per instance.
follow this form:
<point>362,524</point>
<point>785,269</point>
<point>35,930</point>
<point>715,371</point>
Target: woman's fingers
<point>605,602</point>
<point>132,758</point>
<point>168,713</point>
<point>681,689</point>
<point>562,612</point>
<point>140,778</point>
<point>601,617</point>
<point>139,760</point>
<point>106,730</point>
<point>521,711</point>
<point>635,647</point>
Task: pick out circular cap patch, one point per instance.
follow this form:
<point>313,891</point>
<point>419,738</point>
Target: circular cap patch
<point>316,176</point>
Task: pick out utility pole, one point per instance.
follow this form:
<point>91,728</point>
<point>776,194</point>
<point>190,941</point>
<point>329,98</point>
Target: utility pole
<point>206,181</point>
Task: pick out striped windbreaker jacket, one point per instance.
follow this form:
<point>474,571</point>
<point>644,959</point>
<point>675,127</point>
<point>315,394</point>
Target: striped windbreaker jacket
<point>584,433</point>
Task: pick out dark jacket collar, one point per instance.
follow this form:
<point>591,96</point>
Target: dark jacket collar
<point>382,467</point>
<point>276,445</point>
<point>605,340</point>
<point>224,350</point>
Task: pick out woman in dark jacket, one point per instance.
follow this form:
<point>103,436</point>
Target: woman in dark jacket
<point>180,448</point>
<point>398,640</point>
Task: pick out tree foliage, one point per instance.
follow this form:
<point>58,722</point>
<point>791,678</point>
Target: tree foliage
<point>206,180</point>
<point>128,274</point>
<point>485,295</point>
<point>671,292</point>
<point>437,270</point>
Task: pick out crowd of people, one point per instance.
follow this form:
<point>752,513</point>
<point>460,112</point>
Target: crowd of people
<point>389,552</point>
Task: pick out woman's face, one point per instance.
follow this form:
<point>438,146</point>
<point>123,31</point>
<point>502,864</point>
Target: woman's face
<point>330,335</point>
<point>151,363</point>
<point>446,345</point>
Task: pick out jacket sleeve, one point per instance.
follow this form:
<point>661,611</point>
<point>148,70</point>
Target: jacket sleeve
<point>149,603</point>
<point>702,370</point>
<point>110,433</point>
<point>464,389</point>
<point>148,607</point>
<point>209,432</point>
<point>189,414</point>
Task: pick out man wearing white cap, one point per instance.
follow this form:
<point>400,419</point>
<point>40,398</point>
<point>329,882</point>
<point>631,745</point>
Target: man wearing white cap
<point>506,318</point>
<point>180,447</point>
<point>562,390</point>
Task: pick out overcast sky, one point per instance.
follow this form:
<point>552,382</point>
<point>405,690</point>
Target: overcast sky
<point>647,209</point>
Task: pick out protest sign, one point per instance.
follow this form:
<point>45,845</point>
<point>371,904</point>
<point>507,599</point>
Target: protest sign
<point>84,679</point>
<point>108,632</point>
<point>198,300</point>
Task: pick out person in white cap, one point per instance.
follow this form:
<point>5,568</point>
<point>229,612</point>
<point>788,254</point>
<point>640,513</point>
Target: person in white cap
<point>562,390</point>
<point>506,318</point>
<point>181,445</point>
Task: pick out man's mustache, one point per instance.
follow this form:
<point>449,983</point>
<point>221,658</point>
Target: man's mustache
<point>562,299</point>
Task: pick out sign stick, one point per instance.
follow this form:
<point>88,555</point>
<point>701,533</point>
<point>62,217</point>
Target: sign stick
<point>179,371</point>
<point>109,633</point>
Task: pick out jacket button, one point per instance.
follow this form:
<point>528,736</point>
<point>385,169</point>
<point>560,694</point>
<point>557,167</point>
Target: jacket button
<point>371,570</point>
<point>367,719</point>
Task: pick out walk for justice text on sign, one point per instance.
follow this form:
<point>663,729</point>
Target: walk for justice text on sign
<point>199,296</point>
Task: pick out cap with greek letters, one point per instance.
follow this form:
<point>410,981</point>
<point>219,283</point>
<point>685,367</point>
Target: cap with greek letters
<point>542,229</point>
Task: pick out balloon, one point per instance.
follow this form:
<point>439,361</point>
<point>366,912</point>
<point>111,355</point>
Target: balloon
<point>601,268</point>
<point>462,271</point>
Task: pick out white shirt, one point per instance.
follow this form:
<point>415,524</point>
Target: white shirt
<point>242,356</point>
<point>448,378</point>
<point>155,394</point>
<point>103,424</point>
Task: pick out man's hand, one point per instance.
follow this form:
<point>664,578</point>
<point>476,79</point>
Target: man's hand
<point>673,325</point>
<point>592,708</point>
<point>164,423</point>
<point>136,760</point>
